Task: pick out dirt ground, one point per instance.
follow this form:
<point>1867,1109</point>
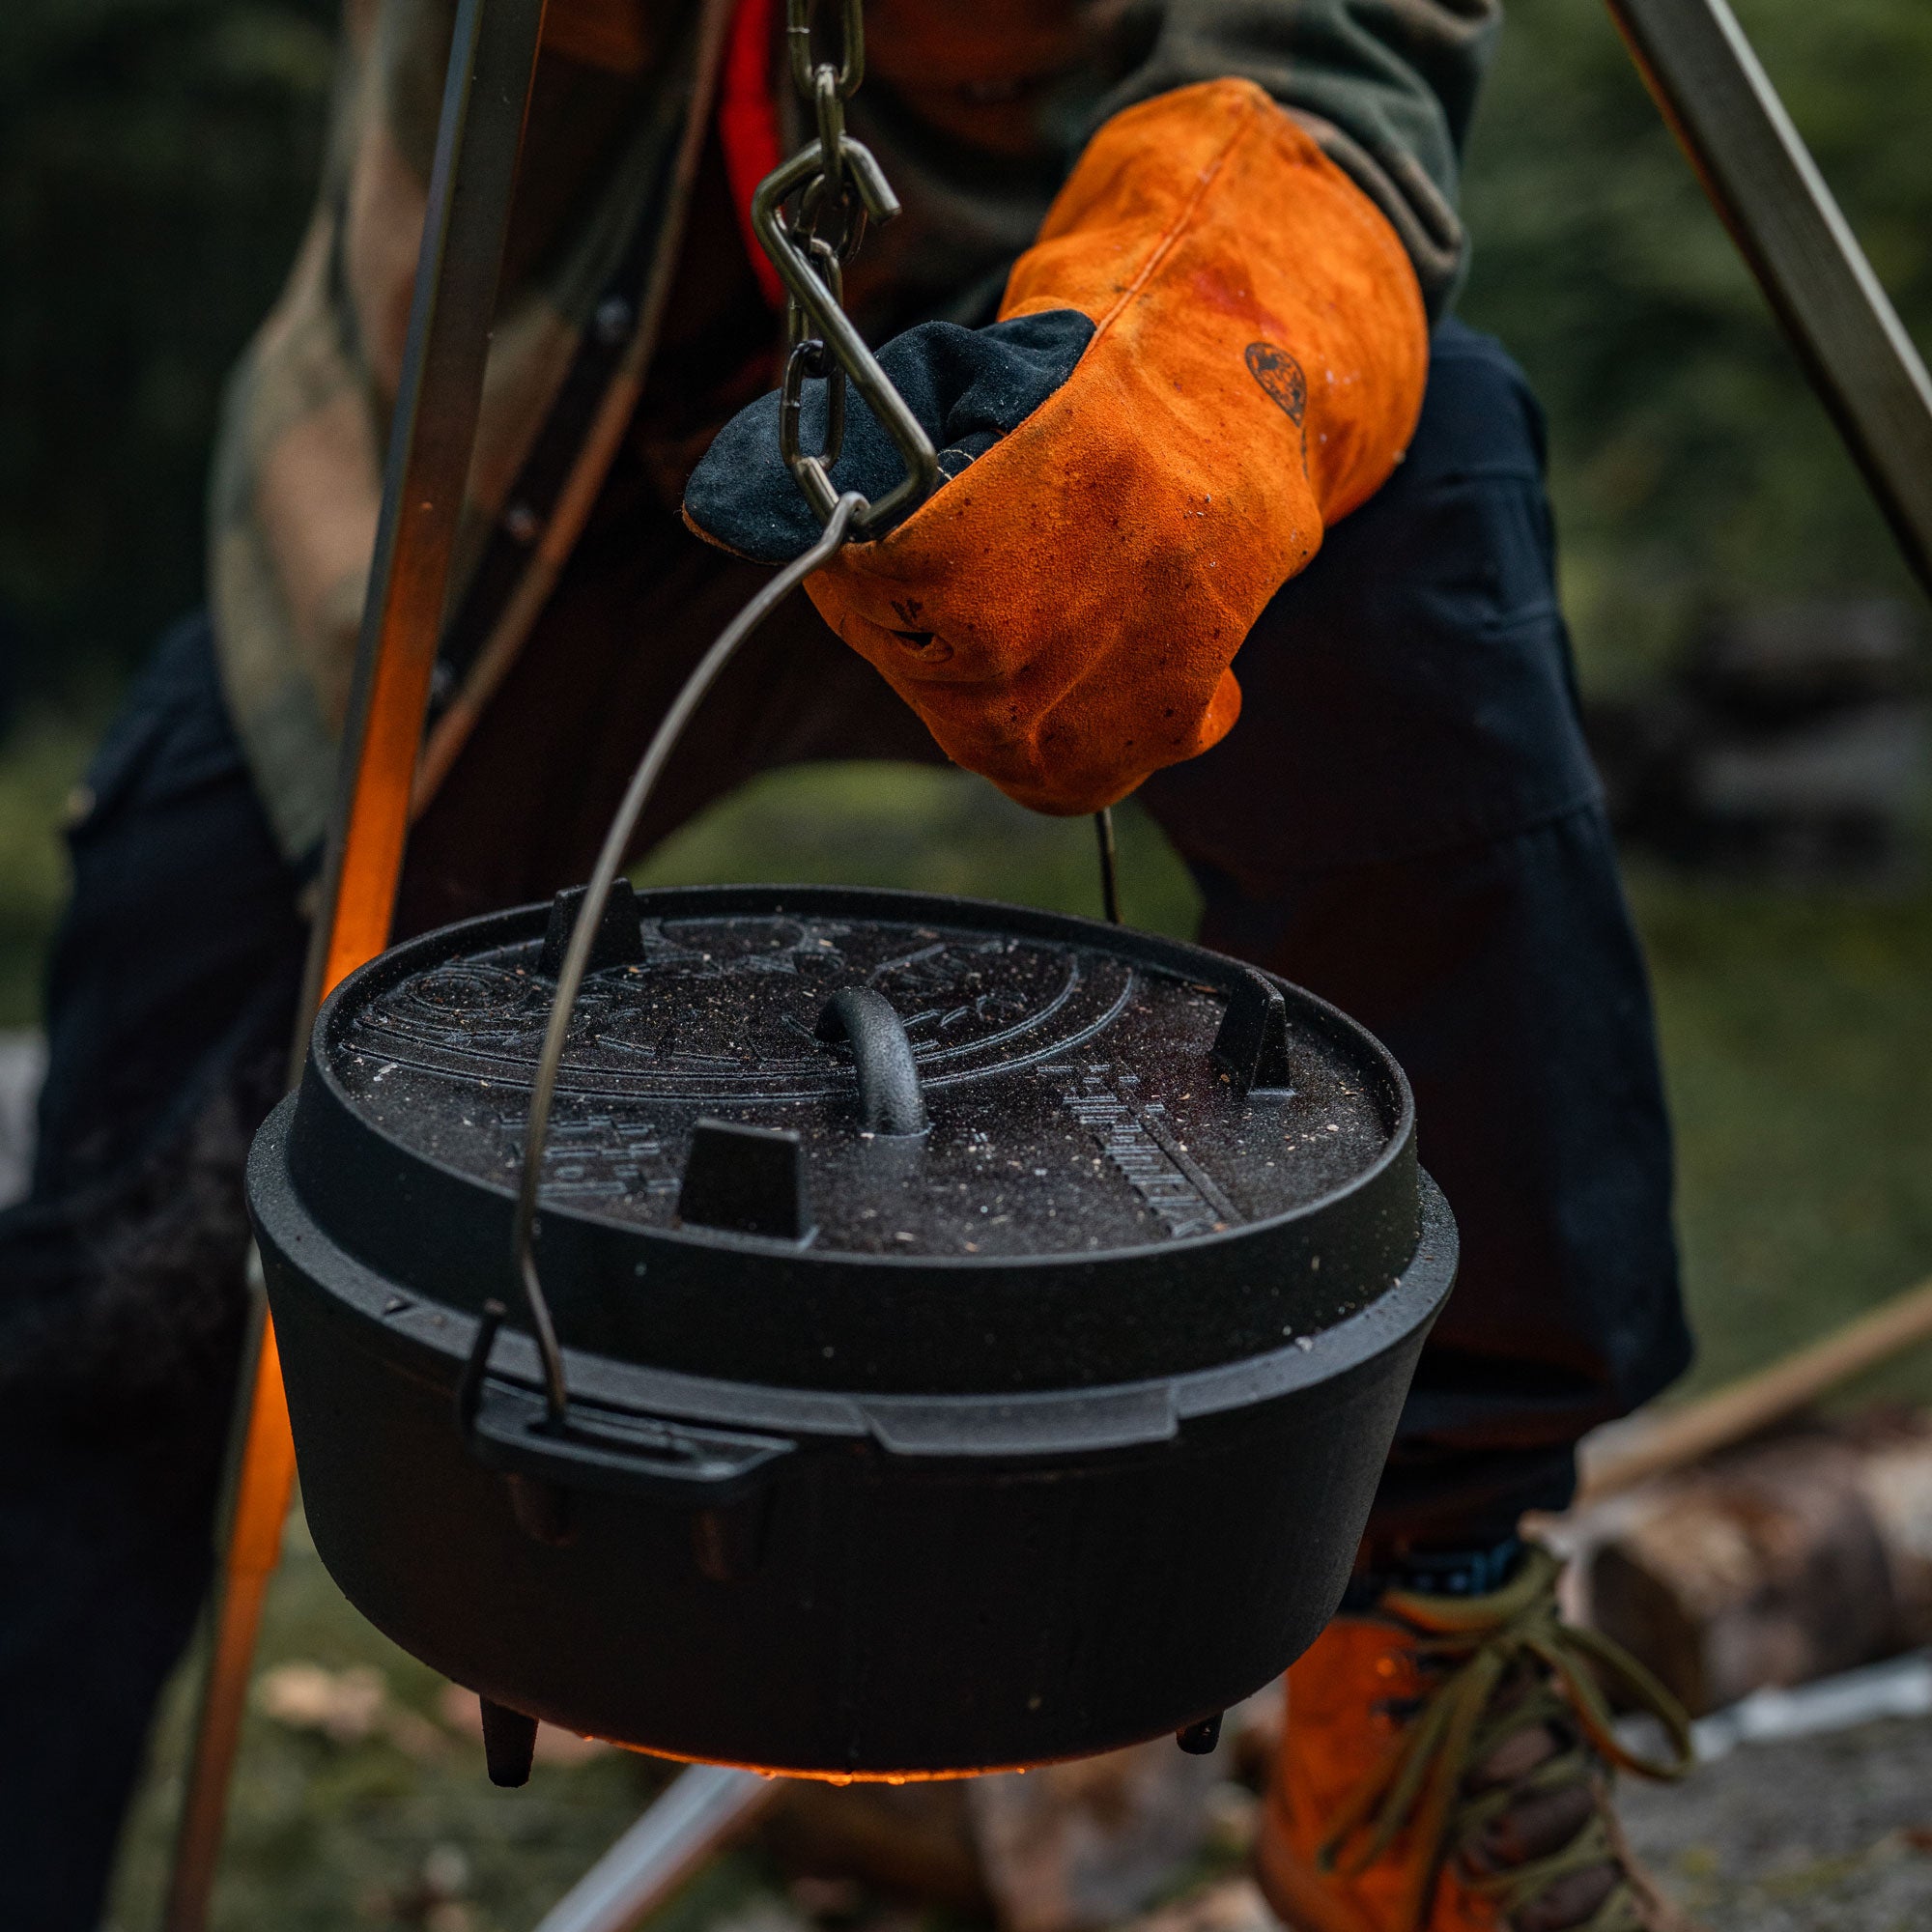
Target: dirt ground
<point>1817,1834</point>
<point>360,1802</point>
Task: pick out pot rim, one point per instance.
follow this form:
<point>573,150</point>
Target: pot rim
<point>435,1338</point>
<point>1178,958</point>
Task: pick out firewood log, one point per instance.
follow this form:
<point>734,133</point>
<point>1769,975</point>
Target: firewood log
<point>1802,1555</point>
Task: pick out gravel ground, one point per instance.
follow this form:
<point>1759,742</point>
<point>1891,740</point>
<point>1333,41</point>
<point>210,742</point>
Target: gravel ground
<point>1818,1835</point>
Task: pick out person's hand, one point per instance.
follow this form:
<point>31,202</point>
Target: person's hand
<point>1215,348</point>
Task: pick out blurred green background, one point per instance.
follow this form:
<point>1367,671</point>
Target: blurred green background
<point>156,159</point>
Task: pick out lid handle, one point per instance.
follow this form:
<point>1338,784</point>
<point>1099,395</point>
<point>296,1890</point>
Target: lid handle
<point>890,1101</point>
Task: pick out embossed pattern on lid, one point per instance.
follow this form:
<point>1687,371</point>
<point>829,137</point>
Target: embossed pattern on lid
<point>1075,1104</point>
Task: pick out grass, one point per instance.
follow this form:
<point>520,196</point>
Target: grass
<point>41,760</point>
<point>1796,1030</point>
<point>387,1820</point>
<point>1796,1033</point>
<point>928,829</point>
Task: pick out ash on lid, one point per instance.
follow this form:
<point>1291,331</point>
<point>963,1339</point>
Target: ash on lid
<point>1074,1104</point>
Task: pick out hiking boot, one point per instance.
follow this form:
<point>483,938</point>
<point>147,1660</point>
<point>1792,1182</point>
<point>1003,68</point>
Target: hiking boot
<point>1446,1768</point>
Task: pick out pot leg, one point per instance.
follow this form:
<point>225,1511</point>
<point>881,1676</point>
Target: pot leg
<point>1199,1740</point>
<point>509,1743</point>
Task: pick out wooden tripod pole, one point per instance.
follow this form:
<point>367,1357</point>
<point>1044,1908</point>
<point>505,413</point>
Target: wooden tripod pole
<point>492,61</point>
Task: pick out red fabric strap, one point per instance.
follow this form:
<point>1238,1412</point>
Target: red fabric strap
<point>748,127</point>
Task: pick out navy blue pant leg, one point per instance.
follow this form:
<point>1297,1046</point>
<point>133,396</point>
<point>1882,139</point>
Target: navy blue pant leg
<point>1405,820</point>
<point>170,993</point>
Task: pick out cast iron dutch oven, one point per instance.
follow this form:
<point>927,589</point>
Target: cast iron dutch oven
<point>982,1329</point>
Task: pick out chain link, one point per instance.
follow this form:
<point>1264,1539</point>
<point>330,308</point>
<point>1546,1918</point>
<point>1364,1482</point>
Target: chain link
<point>810,217</point>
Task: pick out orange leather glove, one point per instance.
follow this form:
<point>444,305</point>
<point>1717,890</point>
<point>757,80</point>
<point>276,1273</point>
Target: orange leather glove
<point>1221,349</point>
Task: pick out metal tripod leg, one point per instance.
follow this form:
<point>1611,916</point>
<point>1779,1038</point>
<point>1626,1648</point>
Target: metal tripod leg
<point>693,1820</point>
<point>1769,193</point>
<point>491,61</point>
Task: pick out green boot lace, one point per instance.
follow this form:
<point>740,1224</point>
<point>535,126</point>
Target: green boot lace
<point>1511,1665</point>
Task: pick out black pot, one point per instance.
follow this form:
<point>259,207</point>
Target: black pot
<point>984,1329</point>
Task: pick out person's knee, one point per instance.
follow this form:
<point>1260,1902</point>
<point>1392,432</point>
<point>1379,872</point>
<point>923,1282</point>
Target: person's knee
<point>171,992</point>
<point>181,919</point>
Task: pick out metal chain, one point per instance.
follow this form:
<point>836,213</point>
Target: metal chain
<point>832,188</point>
<point>810,218</point>
<point>841,186</point>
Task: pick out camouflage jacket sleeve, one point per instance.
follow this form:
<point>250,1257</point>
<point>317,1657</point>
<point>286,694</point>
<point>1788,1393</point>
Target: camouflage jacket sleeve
<point>977,111</point>
<point>297,473</point>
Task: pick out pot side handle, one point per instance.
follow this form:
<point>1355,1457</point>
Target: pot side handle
<point>508,1427</point>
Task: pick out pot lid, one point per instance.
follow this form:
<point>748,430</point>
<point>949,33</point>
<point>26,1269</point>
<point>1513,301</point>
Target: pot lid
<point>844,1139</point>
<point>1068,1093</point>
